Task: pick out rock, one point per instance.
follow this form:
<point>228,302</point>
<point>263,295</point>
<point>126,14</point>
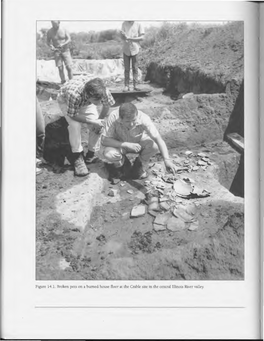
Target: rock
<point>159,227</point>
<point>162,219</point>
<point>138,211</point>
<point>195,168</point>
<point>115,181</point>
<point>201,155</point>
<point>188,153</point>
<point>112,192</point>
<point>130,191</point>
<point>176,224</point>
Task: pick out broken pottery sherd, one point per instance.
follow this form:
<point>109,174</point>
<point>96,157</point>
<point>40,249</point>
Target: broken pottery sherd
<point>193,225</point>
<point>182,188</point>
<point>201,155</point>
<point>201,163</point>
<point>159,227</point>
<point>199,192</point>
<point>188,153</point>
<point>191,209</point>
<point>195,168</point>
<point>112,192</point>
<point>165,206</point>
<point>130,191</point>
<point>138,211</point>
<point>175,224</point>
<point>153,199</point>
<point>153,213</point>
<point>162,219</point>
<point>180,212</point>
<point>154,206</point>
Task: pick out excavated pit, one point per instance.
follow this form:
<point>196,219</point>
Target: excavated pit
<point>107,244</point>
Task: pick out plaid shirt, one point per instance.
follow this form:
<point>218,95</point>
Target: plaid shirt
<point>76,98</point>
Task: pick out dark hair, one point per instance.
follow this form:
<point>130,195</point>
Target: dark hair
<point>95,88</point>
<point>127,109</point>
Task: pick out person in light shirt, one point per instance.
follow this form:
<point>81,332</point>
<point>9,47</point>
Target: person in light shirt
<point>132,33</point>
<point>129,130</point>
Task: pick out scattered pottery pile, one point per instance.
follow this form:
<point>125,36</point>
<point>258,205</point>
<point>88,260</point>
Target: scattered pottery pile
<point>192,162</point>
<point>166,196</point>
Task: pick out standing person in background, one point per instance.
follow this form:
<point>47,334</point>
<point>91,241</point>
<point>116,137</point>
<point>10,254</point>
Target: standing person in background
<point>58,40</point>
<point>131,33</point>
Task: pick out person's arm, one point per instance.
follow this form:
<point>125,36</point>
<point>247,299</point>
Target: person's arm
<point>123,35</point>
<point>49,41</point>
<point>137,39</point>
<point>107,102</point>
<point>73,112</point>
<point>155,136</point>
<point>84,119</point>
<point>111,142</point>
<point>104,111</point>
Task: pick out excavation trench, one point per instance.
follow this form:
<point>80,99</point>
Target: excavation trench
<point>83,233</point>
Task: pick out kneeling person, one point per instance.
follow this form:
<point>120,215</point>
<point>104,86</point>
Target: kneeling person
<point>129,130</point>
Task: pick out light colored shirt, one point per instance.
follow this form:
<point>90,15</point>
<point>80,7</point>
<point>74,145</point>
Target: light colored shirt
<point>115,129</point>
<point>132,31</point>
<point>75,97</point>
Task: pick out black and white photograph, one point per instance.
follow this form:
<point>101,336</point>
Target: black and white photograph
<point>139,150</point>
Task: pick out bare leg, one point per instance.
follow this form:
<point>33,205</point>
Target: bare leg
<point>69,70</point>
<point>61,72</point>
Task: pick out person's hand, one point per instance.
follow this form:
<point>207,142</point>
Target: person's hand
<point>132,147</point>
<point>170,166</point>
<point>123,34</point>
<point>98,126</point>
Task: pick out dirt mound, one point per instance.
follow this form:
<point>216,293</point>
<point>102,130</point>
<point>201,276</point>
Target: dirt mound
<point>216,52</point>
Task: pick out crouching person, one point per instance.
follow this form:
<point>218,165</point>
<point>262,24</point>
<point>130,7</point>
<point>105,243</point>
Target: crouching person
<point>129,130</point>
<point>77,100</point>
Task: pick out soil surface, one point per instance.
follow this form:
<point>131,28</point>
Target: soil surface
<point>83,233</point>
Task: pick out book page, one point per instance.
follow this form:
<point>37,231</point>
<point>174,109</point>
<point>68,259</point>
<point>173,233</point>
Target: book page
<point>75,264</point>
<point>261,86</point>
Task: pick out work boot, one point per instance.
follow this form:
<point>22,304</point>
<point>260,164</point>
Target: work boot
<point>80,168</point>
<point>113,172</point>
<point>122,172</point>
<point>137,171</point>
<point>89,157</point>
